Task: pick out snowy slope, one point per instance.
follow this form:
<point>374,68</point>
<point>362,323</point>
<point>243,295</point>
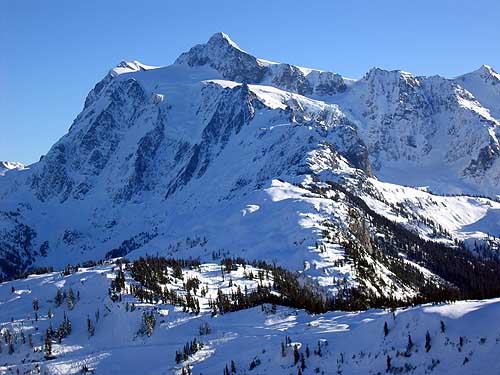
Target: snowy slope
<point>462,337</point>
<point>484,84</point>
<point>6,166</point>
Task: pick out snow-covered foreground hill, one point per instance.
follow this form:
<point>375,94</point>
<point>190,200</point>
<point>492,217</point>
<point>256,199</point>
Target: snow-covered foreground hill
<point>463,336</point>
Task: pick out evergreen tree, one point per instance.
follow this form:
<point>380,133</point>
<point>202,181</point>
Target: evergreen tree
<point>386,329</point>
<point>47,344</point>
<point>148,323</point>
<point>427,341</point>
<point>90,327</point>
<point>296,355</point>
<point>71,300</point>
<point>409,346</point>
<point>318,351</point>
<point>59,297</point>
<point>35,304</point>
<point>11,347</point>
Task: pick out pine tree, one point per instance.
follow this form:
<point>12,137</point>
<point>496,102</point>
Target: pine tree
<point>90,327</point>
<point>386,329</point>
<point>296,355</point>
<point>443,327</point>
<point>148,323</point>
<point>409,346</point>
<point>233,367</point>
<point>47,345</point>
<point>389,366</point>
<point>318,351</point>
<point>71,299</point>
<point>427,341</point>
<point>59,297</point>
<point>35,305</point>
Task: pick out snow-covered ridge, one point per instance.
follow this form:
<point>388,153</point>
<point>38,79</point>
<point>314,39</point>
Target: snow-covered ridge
<point>6,166</point>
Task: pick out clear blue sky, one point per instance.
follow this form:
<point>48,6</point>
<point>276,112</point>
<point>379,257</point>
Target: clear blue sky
<point>53,52</point>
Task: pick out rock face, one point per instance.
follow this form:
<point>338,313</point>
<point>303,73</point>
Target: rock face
<point>223,154</point>
<point>234,64</point>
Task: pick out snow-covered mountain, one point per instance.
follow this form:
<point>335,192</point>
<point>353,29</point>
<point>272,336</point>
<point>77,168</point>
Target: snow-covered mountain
<point>216,202</point>
<point>6,166</point>
<point>225,154</point>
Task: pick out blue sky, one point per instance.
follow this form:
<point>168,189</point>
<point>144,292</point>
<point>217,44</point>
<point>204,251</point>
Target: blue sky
<point>53,52</point>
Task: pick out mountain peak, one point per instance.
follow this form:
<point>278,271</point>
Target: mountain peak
<point>221,37</point>
<point>488,71</point>
<point>128,67</point>
<point>485,72</point>
<point>225,56</point>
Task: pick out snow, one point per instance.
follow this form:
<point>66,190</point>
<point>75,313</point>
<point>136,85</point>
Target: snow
<point>6,166</point>
<point>351,342</point>
<point>465,217</point>
<point>183,161</point>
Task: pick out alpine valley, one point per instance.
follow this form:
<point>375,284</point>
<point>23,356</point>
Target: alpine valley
<point>229,214</point>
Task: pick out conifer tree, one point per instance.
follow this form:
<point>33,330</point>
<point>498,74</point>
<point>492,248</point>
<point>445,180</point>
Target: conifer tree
<point>71,300</point>
<point>90,327</point>
<point>427,341</point>
<point>47,344</point>
<point>409,346</point>
<point>296,355</point>
<point>59,297</point>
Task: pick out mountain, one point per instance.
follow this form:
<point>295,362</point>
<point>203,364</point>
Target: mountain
<point>230,214</point>
<point>223,154</point>
<point>6,166</point>
<point>484,84</point>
